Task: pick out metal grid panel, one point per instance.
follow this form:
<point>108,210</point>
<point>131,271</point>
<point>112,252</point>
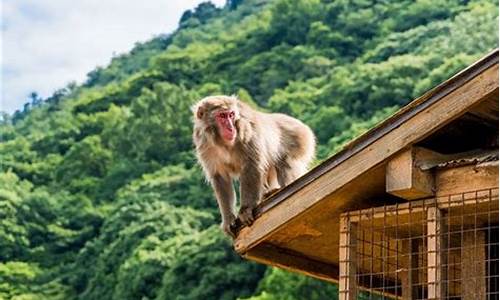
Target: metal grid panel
<point>440,248</point>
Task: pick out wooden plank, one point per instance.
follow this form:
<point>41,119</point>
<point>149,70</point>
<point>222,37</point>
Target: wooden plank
<point>436,247</point>
<point>466,178</point>
<point>348,289</point>
<point>409,278</point>
<point>487,110</point>
<point>416,128</point>
<point>473,265</point>
<point>405,179</point>
<point>289,260</point>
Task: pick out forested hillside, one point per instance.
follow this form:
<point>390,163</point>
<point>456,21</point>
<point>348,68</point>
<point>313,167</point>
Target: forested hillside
<point>100,194</point>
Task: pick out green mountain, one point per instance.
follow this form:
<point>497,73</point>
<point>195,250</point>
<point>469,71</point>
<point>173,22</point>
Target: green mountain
<point>100,194</point>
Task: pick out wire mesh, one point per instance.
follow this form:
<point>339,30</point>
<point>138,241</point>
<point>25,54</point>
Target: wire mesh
<point>440,248</point>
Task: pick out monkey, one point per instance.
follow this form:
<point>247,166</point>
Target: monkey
<point>264,151</point>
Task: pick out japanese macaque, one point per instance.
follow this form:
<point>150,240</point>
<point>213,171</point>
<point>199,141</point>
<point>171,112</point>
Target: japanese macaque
<point>264,151</point>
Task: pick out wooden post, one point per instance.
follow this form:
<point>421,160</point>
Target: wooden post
<point>347,260</point>
<point>436,250</point>
<point>410,277</point>
<point>405,179</point>
<point>473,265</point>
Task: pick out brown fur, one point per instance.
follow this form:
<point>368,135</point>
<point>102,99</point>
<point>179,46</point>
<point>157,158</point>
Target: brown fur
<point>269,152</point>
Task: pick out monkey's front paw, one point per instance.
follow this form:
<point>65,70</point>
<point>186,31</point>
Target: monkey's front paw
<point>228,227</point>
<point>246,216</point>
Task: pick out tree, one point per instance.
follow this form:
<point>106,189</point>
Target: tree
<point>208,268</point>
<point>164,113</point>
<point>35,100</point>
<point>283,285</point>
<point>137,244</point>
<point>291,20</point>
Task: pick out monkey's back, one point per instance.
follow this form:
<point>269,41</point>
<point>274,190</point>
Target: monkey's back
<point>296,137</point>
<point>288,138</point>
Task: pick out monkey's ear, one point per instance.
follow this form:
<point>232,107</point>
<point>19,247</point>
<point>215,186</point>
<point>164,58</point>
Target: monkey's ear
<point>199,112</point>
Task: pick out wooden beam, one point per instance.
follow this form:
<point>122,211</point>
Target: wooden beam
<point>487,110</point>
<point>436,251</point>
<point>405,179</point>
<point>429,119</point>
<point>268,254</point>
<point>292,261</point>
<point>474,265</point>
<point>466,178</point>
<point>348,289</point>
<point>409,278</point>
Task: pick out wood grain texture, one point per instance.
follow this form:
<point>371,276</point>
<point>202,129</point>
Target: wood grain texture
<point>474,265</point>
<point>405,179</point>
<point>466,179</point>
<point>409,278</point>
<point>288,260</point>
<point>348,289</point>
<point>436,251</point>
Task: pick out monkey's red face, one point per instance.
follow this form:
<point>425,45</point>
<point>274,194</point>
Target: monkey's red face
<point>225,124</point>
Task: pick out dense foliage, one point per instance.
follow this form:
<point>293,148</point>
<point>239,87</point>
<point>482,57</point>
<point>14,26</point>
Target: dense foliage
<point>100,196</point>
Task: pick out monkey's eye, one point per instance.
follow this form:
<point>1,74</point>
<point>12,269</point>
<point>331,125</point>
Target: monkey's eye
<point>231,115</point>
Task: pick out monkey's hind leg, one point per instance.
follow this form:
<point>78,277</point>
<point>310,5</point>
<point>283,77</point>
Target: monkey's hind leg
<point>289,170</point>
<point>272,185</point>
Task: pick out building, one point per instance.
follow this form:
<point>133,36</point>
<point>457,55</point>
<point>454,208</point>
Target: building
<point>407,210</point>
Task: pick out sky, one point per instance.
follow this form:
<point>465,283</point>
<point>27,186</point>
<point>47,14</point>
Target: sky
<point>45,44</point>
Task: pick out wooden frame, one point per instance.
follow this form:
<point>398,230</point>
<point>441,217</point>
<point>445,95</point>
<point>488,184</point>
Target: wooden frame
<point>454,234</point>
<point>436,251</point>
<point>474,265</point>
<point>347,260</point>
<point>479,197</point>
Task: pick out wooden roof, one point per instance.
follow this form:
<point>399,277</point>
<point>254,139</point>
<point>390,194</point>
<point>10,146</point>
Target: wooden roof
<point>298,227</point>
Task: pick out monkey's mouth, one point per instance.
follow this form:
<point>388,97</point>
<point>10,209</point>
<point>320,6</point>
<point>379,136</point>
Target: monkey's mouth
<point>229,133</point>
